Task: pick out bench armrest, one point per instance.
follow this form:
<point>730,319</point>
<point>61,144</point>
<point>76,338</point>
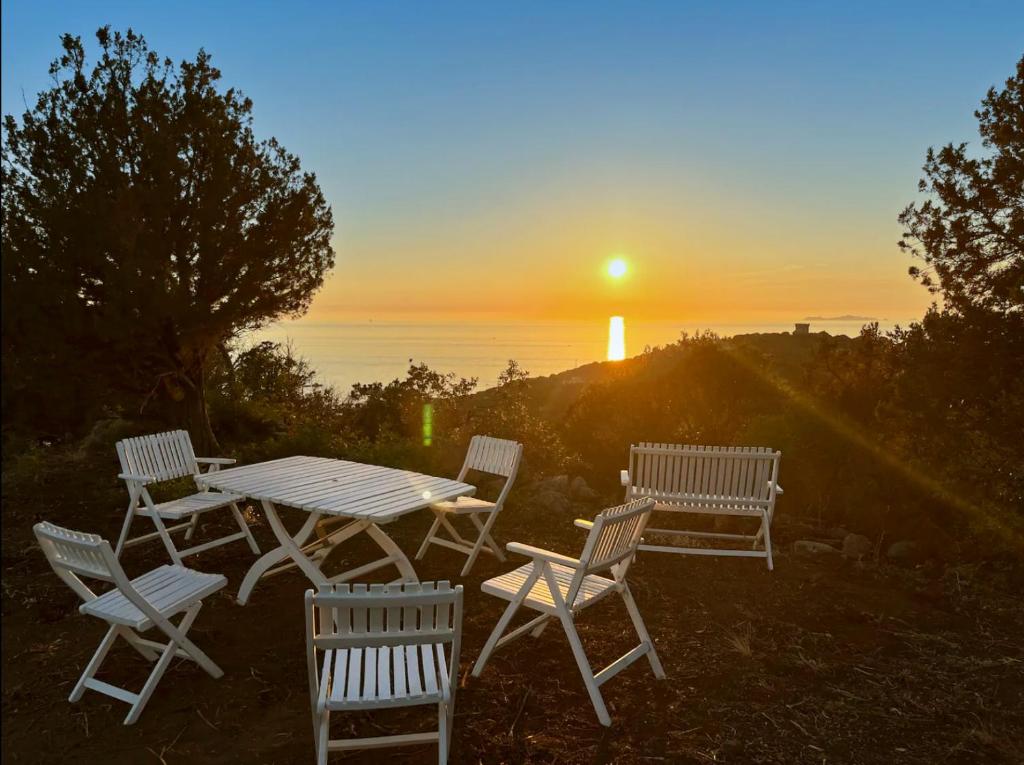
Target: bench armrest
<point>778,489</point>
<point>582,524</point>
<point>216,460</point>
<point>624,477</point>
<point>136,478</point>
<point>545,555</point>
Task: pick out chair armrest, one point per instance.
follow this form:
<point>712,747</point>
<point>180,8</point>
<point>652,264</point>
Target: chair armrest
<point>545,555</point>
<point>778,489</point>
<point>582,524</point>
<point>136,478</point>
<point>624,477</point>
<point>216,460</point>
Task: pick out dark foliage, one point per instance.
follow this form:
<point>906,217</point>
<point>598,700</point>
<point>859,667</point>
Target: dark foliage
<point>970,231</point>
<point>143,226</point>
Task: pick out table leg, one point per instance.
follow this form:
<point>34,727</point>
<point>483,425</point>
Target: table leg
<point>292,547</point>
<point>289,546</point>
<point>398,557</point>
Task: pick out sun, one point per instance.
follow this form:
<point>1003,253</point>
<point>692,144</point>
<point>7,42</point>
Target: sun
<point>617,268</point>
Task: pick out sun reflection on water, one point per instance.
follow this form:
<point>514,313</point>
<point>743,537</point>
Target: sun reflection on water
<point>616,339</point>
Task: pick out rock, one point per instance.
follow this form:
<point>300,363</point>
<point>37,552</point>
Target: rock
<point>580,490</point>
<point>905,552</point>
<point>837,533</point>
<point>557,483</point>
<point>808,547</point>
<point>554,501</point>
<point>857,546</point>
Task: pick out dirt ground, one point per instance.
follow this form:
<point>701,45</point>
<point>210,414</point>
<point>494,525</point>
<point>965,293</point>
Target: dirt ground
<point>822,660</point>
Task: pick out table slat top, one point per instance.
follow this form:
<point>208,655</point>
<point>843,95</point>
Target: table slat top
<point>337,487</point>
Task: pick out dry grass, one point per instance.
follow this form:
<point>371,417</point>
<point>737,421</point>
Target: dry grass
<point>819,661</point>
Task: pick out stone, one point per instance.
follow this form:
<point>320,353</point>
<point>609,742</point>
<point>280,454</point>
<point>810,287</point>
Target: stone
<point>808,547</point>
<point>553,501</point>
<point>857,546</point>
<point>557,483</point>
<point>837,533</point>
<point>582,491</point>
<point>905,552</point>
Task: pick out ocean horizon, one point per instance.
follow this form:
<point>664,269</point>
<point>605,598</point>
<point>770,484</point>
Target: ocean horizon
<point>347,352</point>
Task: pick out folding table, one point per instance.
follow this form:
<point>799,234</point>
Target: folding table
<point>368,495</point>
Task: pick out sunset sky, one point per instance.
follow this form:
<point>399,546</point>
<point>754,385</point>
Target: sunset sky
<point>748,161</point>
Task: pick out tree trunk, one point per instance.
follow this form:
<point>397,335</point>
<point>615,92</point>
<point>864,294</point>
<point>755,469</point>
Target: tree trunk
<point>197,418</point>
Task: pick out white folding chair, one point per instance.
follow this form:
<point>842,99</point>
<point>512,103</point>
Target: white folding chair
<point>560,586</point>
<point>133,606</point>
<point>496,456</point>
<point>147,460</point>
<point>383,646</point>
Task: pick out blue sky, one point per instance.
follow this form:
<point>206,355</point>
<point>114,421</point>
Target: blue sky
<point>747,158</point>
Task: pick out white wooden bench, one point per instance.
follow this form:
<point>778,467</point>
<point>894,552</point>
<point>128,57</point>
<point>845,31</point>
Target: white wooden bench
<point>737,481</point>
<point>147,460</point>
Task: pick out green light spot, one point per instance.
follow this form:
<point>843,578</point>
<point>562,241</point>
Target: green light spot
<point>428,424</point>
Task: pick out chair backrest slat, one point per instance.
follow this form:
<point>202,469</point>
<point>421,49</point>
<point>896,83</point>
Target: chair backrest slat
<point>612,542</point>
<point>73,554</point>
<point>164,456</point>
<point>346,615</point>
<point>681,472</point>
<point>74,551</point>
<point>497,456</point>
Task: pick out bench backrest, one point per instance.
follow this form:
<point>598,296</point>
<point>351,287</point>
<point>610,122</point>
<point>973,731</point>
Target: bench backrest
<point>162,455</point>
<point>679,472</point>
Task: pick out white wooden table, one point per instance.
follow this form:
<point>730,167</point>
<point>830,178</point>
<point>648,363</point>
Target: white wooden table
<point>368,495</point>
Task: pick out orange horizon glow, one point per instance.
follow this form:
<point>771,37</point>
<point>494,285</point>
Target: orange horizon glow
<point>692,271</point>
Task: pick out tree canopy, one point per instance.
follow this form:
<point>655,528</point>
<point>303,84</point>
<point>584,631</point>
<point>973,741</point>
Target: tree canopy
<point>970,231</point>
<point>143,226</point>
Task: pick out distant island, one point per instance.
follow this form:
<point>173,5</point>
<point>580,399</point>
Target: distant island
<point>845,317</point>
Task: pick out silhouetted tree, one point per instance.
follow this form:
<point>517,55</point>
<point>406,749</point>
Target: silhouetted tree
<point>143,226</point>
<point>970,233</point>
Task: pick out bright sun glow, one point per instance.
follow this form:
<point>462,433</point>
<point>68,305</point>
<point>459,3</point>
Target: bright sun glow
<point>617,268</point>
<point>616,339</point>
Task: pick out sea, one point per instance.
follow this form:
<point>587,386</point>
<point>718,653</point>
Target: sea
<point>348,352</point>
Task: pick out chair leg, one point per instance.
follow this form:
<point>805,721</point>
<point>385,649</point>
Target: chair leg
<point>193,524</point>
<point>766,525</point>
<point>475,552</point>
<point>584,665</point>
<point>179,636</point>
<point>169,652</point>
<point>503,622</point>
<point>565,616</point>
<point>124,530</point>
<point>426,540</point>
<point>135,641</point>
<point>95,662</point>
<point>165,537</point>
<point>536,632</point>
<point>442,733</point>
<point>323,738</point>
<point>485,534</point>
<point>245,528</point>
<point>454,532</point>
<point>641,631</point>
